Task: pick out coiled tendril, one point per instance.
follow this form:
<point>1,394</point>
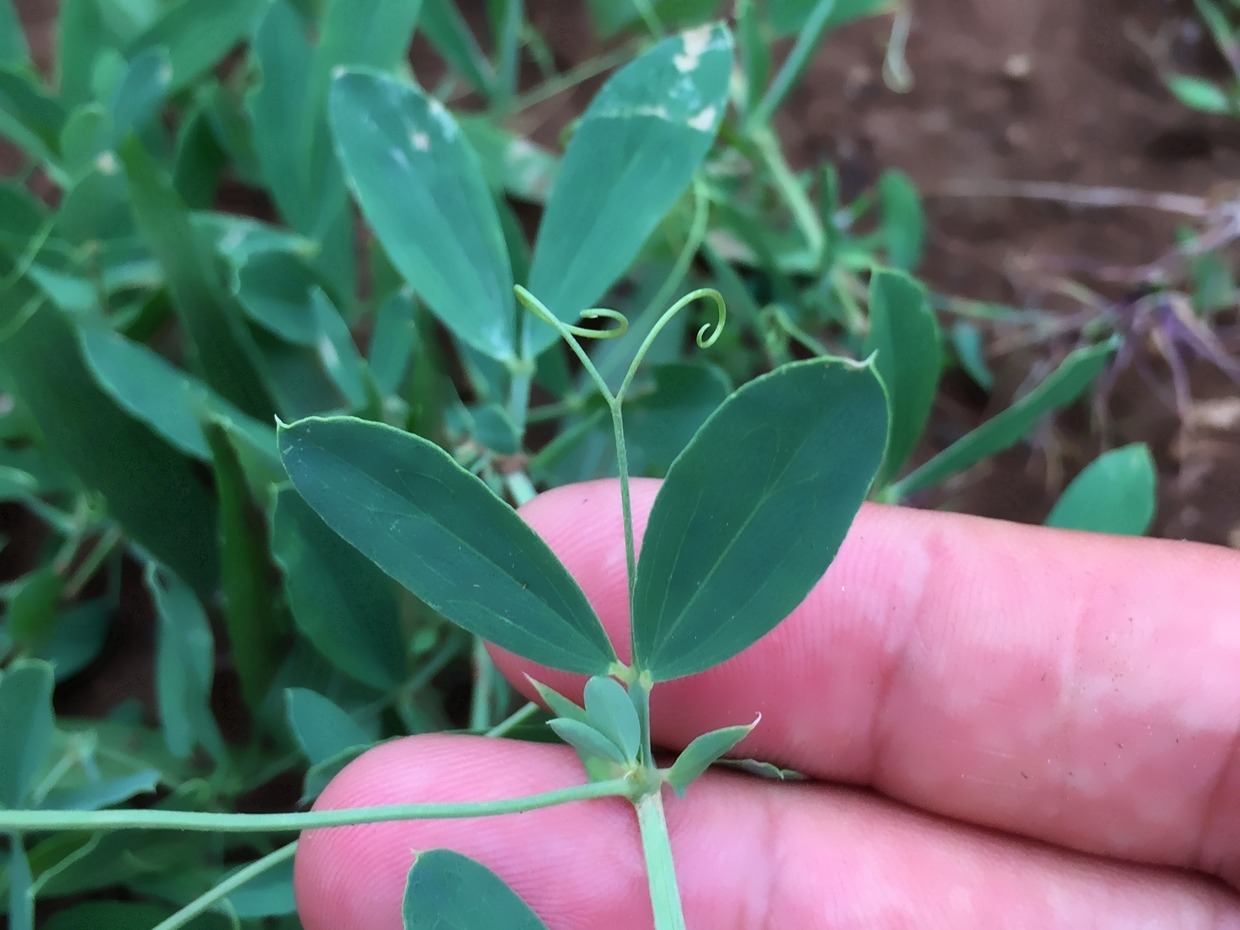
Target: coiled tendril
<point>539,309</point>
<point>707,335</point>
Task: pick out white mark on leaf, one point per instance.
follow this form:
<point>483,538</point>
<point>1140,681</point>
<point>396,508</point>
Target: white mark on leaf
<point>421,141</point>
<point>439,113</point>
<point>327,352</point>
<point>703,120</point>
<point>696,41</point>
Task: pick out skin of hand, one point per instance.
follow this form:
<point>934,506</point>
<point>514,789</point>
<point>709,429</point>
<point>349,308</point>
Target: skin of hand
<point>1005,727</point>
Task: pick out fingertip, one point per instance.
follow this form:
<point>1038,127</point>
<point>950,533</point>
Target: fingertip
<point>353,878</point>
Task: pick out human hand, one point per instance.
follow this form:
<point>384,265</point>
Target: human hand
<point>1007,727</point>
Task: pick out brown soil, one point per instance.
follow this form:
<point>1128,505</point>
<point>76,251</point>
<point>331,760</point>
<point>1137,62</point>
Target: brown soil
<point>1049,90</point>
<point>1014,90</point>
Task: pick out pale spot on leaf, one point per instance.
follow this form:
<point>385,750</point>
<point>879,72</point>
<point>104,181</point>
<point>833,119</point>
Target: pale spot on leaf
<point>703,120</point>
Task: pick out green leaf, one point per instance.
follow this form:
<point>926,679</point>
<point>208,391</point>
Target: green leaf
<point>254,613</point>
<point>493,429</point>
<point>903,223</point>
<point>267,895</point>
<point>141,92</point>
<point>611,712</point>
<point>199,160</point>
<point>558,703</point>
<point>590,744</point>
<point>321,727</point>
<point>87,135</point>
<point>511,162</point>
<point>1065,384</point>
<point>1116,493</point>
<point>421,189</point>
<point>198,35</point>
<point>966,340</point>
<point>1201,95</point>
<point>288,108</point>
<point>274,289</point>
<point>219,343</point>
<point>286,122</point>
<point>13,50</point>
<point>82,38</point>
<point>634,152</point>
<point>753,511</point>
<point>30,118</point>
<point>374,33</point>
<point>393,342</point>
<point>447,31</point>
<point>447,891</point>
<point>905,335</point>
<point>760,769</point>
<point>151,389</point>
<point>337,351</point>
<point>184,667</point>
<point>340,601</point>
<point>102,793</point>
<point>26,725</point>
<point>30,616</point>
<point>702,753</point>
<point>660,422</point>
<point>85,429</point>
<point>439,531</point>
<point>320,773</point>
<point>78,636</point>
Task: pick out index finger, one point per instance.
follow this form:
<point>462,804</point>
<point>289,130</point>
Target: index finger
<point>1077,689</point>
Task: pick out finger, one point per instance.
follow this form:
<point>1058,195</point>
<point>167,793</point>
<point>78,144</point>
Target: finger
<point>748,853</point>
<point>1079,689</point>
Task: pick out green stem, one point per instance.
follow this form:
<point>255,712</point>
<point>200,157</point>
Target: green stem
<point>522,380</point>
<point>684,258</point>
<point>790,189</point>
<point>509,55</point>
<point>808,40</point>
<point>90,564</point>
<point>106,821</point>
<point>660,868</point>
<point>705,338</point>
<point>574,76</point>
<point>517,717</point>
<point>483,691</point>
<point>646,10</point>
<point>227,887</point>
<point>622,466</point>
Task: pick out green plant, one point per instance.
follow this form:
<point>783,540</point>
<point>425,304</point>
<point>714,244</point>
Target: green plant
<point>1220,19</point>
<point>151,335</point>
<point>725,557</point>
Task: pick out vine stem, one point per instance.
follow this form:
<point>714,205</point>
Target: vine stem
<point>660,868</point>
<point>106,821</point>
<point>227,887</point>
<point>622,466</point>
<point>791,190</point>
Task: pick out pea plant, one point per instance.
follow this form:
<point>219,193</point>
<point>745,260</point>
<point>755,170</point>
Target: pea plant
<point>284,333</point>
<point>729,550</point>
